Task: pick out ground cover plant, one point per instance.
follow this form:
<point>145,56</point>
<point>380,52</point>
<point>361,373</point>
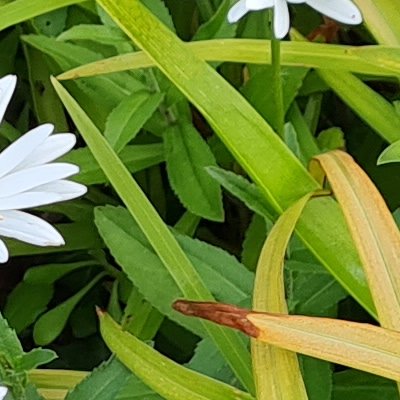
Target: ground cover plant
<point>205,203</point>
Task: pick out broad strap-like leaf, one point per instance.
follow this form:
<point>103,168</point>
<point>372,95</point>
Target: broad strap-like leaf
<point>356,345</point>
<point>373,230</point>
<point>276,371</point>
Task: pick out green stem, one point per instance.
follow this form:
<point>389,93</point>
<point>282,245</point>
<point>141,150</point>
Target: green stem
<point>277,85</point>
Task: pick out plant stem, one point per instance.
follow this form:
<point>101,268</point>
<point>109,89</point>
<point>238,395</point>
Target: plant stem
<point>277,85</point>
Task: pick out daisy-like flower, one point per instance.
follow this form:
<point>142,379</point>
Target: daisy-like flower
<point>344,11</point>
<point>29,178</point>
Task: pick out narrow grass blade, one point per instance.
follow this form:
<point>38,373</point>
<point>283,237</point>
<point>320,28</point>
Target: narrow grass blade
<point>21,10</point>
<point>252,51</point>
<point>158,234</point>
<point>171,380</point>
<point>276,371</point>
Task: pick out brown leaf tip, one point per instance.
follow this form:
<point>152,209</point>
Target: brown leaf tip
<point>223,314</point>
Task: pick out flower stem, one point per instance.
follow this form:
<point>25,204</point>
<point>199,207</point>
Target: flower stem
<point>277,85</point>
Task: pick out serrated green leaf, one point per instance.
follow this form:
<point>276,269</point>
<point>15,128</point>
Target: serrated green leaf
<point>247,192</point>
<point>10,346</point>
<point>103,383</point>
<point>169,379</point>
<point>187,156</point>
<point>227,279</point>
<point>126,120</point>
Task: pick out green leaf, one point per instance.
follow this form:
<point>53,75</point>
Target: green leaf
<point>259,90</point>
<point>135,389</point>
<point>135,158</point>
<point>126,120</point>
<point>258,51</point>
<point>244,190</point>
<point>103,383</point>
<point>10,346</point>
<point>99,95</point>
<point>331,139</point>
<point>169,379</point>
<point>21,10</point>
<point>26,302</point>
<point>253,241</point>
<point>217,26</point>
<point>227,279</point>
<point>357,385</point>
<point>313,291</point>
<point>96,33</point>
<point>390,154</point>
<point>317,375</point>
<point>208,361</point>
<point>187,156</point>
<point>50,273</point>
<point>35,358</point>
<point>50,324</point>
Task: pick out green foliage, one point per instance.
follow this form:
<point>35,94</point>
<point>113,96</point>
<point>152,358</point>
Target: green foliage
<point>171,104</point>
<point>103,383</point>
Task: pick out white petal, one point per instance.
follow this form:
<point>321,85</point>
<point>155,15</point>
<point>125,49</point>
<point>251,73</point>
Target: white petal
<point>52,148</point>
<point>29,200</point>
<point>259,4</point>
<point>344,11</point>
<point>30,178</point>
<point>237,11</point>
<point>28,228</point>
<point>16,152</point>
<point>281,19</point>
<point>66,189</point>
<point>3,258</point>
<point>7,87</point>
<point>296,1</point>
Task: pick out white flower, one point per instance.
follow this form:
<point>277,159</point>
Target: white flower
<point>29,178</point>
<point>3,392</point>
<point>341,10</point>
